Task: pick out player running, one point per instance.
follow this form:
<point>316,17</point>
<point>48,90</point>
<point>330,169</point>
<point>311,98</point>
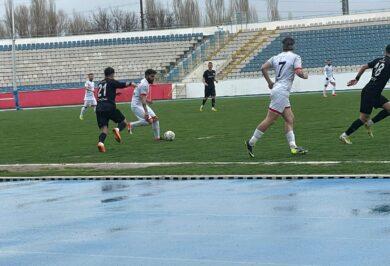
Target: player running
<point>371,96</point>
<point>286,65</point>
<point>209,87</point>
<point>89,98</point>
<point>329,78</point>
<point>106,107</point>
<point>139,106</point>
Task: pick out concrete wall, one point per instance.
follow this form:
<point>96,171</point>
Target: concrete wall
<point>259,86</point>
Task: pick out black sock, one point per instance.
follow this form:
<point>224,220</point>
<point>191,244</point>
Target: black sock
<point>213,102</point>
<point>381,115</point>
<point>204,101</point>
<point>102,137</point>
<point>122,125</point>
<point>355,126</point>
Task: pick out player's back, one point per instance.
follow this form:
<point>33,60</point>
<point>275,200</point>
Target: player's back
<point>142,89</point>
<point>285,65</point>
<point>380,73</point>
<point>107,93</point>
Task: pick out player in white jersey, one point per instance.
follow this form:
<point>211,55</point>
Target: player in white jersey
<point>329,78</point>
<point>140,107</point>
<point>286,65</point>
<point>89,98</point>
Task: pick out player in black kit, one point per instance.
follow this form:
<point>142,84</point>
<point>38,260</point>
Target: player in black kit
<point>209,86</point>
<point>106,107</point>
<point>371,96</point>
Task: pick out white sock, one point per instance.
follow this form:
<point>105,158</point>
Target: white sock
<point>334,90</point>
<point>94,109</point>
<point>156,129</point>
<point>370,123</point>
<point>83,110</point>
<point>256,136</point>
<point>139,123</point>
<point>291,139</point>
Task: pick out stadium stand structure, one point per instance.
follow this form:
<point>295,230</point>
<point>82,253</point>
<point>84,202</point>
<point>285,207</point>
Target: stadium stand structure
<point>347,45</point>
<point>64,64</point>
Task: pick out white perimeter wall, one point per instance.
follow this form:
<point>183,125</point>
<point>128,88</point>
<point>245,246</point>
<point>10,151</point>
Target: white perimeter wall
<point>259,86</point>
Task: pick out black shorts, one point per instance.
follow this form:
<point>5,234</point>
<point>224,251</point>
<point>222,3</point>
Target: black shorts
<point>103,117</point>
<point>209,91</point>
<point>369,100</point>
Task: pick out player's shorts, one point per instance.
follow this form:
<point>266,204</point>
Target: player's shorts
<point>103,117</point>
<point>280,100</point>
<point>368,101</point>
<point>329,80</point>
<point>139,111</point>
<point>90,102</point>
<point>209,91</point>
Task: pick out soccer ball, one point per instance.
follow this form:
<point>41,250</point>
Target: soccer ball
<point>169,135</point>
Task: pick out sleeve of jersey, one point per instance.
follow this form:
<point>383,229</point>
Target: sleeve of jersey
<point>271,62</point>
<point>204,75</point>
<point>143,90</point>
<point>298,63</point>
<point>373,63</point>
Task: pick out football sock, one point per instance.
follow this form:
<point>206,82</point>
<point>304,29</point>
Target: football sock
<point>122,125</point>
<point>334,89</point>
<point>256,136</point>
<point>83,110</point>
<point>204,101</point>
<point>380,116</point>
<point>156,129</point>
<point>291,139</point>
<point>354,126</point>
<point>94,109</point>
<point>213,102</point>
<point>102,137</point>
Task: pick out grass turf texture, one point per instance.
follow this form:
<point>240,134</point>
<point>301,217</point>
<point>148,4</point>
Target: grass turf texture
<point>58,136</point>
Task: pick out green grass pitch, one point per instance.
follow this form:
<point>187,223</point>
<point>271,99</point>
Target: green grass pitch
<point>58,136</point>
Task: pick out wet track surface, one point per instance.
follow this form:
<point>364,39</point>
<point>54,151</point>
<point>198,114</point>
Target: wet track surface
<point>225,222</point>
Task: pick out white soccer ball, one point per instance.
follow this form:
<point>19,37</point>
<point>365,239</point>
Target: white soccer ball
<point>169,135</point>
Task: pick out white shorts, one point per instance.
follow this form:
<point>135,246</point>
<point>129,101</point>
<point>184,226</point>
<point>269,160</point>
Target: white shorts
<point>331,79</point>
<point>90,102</point>
<point>280,100</point>
<point>139,112</point>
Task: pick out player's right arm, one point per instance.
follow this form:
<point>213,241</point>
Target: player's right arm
<point>264,69</point>
<point>361,71</point>
<point>87,87</point>
<point>204,79</point>
<point>144,100</point>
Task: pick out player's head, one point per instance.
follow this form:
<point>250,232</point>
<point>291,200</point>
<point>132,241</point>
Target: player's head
<point>90,76</point>
<point>150,74</point>
<point>288,44</point>
<point>210,65</point>
<point>328,62</point>
<point>388,49</point>
<point>109,72</point>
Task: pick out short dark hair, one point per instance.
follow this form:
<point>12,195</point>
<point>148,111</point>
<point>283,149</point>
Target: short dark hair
<point>108,71</point>
<point>388,49</point>
<point>210,62</point>
<point>288,43</point>
<point>150,72</point>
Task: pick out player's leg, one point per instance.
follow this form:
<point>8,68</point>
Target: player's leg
<point>94,104</point>
<point>288,117</point>
<point>333,83</point>
<point>385,104</point>
<point>83,110</point>
<point>102,120</point>
<point>213,94</point>
<point>155,124</point>
<point>207,94</point>
<point>120,119</point>
<point>140,114</point>
<point>325,87</point>
<point>366,106</point>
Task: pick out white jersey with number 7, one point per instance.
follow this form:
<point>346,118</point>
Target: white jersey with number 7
<point>285,65</point>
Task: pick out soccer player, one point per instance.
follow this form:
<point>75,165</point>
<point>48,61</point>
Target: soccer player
<point>140,107</point>
<point>89,98</point>
<point>209,87</point>
<point>328,72</point>
<point>106,107</point>
<point>371,96</point>
<point>286,65</point>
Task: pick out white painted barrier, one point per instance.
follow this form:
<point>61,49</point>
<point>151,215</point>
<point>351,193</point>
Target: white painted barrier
<point>259,86</point>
